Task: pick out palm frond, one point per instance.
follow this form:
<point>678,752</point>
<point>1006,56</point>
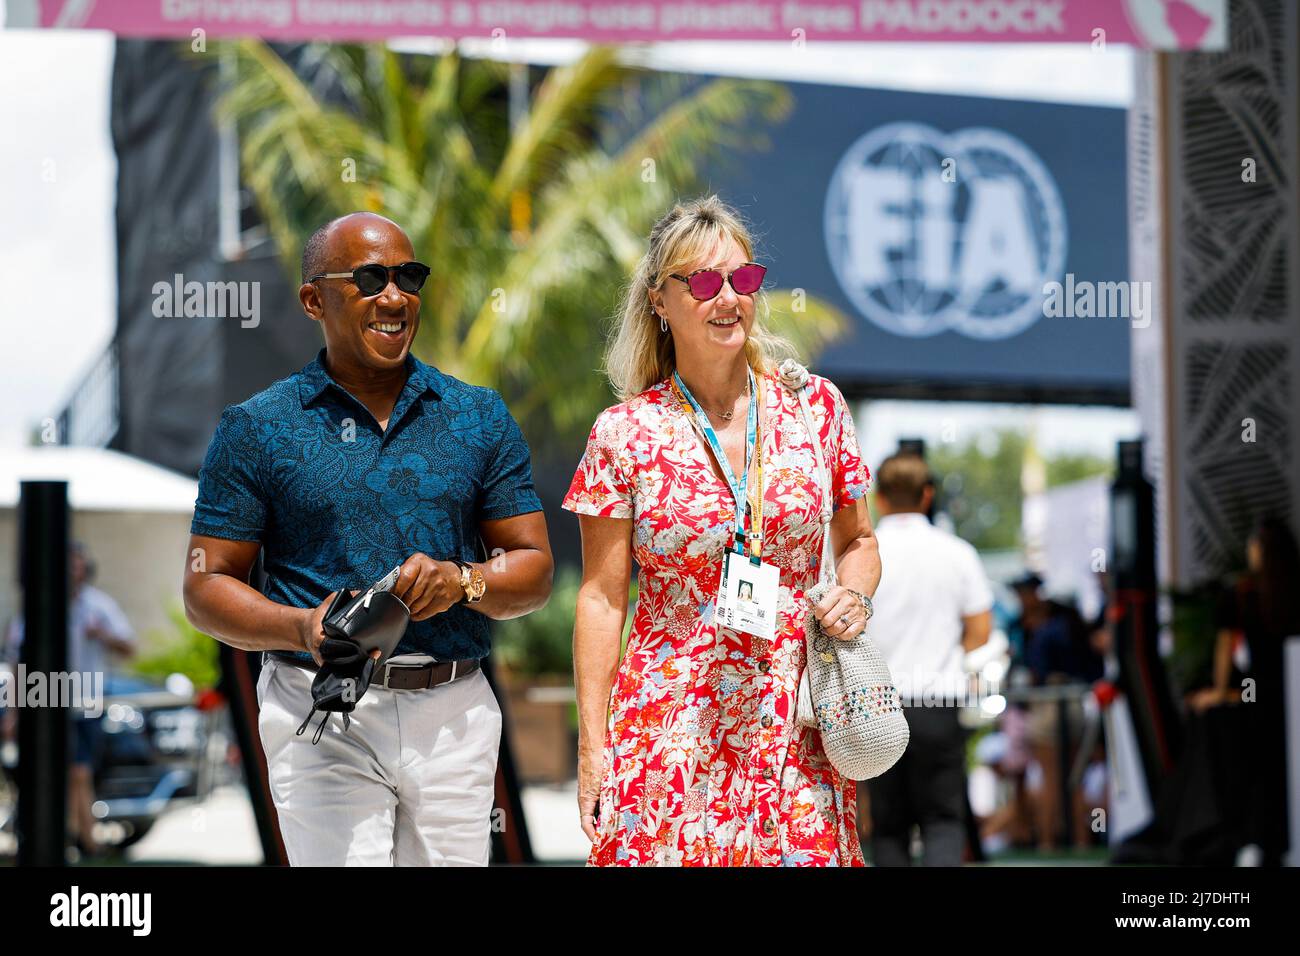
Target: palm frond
<point>431,147</point>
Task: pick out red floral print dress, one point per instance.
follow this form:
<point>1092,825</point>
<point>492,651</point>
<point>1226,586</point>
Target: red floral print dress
<point>703,761</point>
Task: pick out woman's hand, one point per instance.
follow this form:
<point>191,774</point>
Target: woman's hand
<point>840,614</point>
<point>590,771</point>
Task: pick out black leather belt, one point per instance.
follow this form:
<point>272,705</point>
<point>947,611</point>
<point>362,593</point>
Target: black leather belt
<point>400,676</point>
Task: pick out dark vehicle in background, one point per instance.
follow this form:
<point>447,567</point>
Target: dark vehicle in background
<point>162,747</point>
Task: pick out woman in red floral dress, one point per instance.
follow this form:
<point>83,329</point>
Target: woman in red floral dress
<point>689,752</point>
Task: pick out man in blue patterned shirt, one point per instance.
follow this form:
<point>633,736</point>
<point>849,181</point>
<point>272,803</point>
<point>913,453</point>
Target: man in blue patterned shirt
<point>365,460</point>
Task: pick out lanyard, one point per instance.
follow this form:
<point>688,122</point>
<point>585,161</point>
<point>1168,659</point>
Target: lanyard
<point>739,489</point>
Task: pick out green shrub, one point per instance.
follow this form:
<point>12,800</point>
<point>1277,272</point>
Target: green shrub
<point>542,642</point>
<point>182,650</point>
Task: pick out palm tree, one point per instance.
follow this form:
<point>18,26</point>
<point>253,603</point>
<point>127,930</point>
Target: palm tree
<point>530,232</point>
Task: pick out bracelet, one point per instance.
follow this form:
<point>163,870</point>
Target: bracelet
<point>864,601</point>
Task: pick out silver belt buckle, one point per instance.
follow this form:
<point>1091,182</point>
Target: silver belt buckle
<point>407,662</point>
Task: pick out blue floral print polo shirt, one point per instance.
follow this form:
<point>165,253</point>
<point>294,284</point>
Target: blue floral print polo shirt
<point>335,501</point>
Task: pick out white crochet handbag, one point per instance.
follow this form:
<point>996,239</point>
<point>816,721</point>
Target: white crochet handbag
<point>846,690</point>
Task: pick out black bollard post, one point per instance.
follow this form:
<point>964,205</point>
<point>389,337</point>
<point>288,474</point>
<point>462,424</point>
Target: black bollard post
<point>1066,792</point>
<point>1142,673</point>
<point>43,730</point>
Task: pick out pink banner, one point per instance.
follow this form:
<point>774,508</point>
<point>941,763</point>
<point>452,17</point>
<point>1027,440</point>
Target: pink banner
<point>1151,24</point>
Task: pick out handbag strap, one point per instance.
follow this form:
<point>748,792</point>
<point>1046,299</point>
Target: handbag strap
<point>791,372</point>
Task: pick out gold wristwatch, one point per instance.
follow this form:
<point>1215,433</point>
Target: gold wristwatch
<point>471,582</point>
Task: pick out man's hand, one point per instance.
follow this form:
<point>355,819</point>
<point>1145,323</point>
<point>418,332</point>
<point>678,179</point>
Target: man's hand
<point>96,633</point>
<point>104,635</point>
<point>428,587</point>
<point>313,635</point>
<point>310,633</point>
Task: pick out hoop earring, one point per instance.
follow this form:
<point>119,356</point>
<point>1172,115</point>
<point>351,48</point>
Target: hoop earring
<point>663,322</point>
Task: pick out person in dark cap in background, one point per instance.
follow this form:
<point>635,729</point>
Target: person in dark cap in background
<point>1057,649</point>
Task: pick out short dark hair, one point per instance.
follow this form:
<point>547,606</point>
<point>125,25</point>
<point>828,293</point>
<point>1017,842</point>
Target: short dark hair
<point>902,480</point>
<point>314,252</point>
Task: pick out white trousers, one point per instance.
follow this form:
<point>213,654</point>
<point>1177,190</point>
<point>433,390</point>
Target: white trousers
<point>410,783</point>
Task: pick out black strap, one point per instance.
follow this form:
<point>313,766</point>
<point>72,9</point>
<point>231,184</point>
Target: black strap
<point>320,728</point>
<point>307,720</point>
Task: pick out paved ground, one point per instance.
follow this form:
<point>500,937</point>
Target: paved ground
<point>552,815</point>
<point>221,830</point>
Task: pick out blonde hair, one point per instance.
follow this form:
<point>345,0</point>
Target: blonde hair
<point>641,354</point>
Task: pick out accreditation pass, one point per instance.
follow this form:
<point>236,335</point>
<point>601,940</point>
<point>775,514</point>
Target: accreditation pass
<point>747,596</point>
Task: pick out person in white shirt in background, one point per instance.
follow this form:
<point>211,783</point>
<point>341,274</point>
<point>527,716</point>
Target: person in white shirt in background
<point>96,626</point>
<point>933,606</point>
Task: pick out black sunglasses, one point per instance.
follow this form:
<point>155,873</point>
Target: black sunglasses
<point>373,278</point>
<point>704,284</point>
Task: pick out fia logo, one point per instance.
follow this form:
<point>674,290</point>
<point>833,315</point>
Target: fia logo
<point>929,232</point>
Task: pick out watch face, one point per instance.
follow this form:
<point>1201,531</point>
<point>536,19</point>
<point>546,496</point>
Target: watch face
<point>476,585</point>
<point>465,583</point>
